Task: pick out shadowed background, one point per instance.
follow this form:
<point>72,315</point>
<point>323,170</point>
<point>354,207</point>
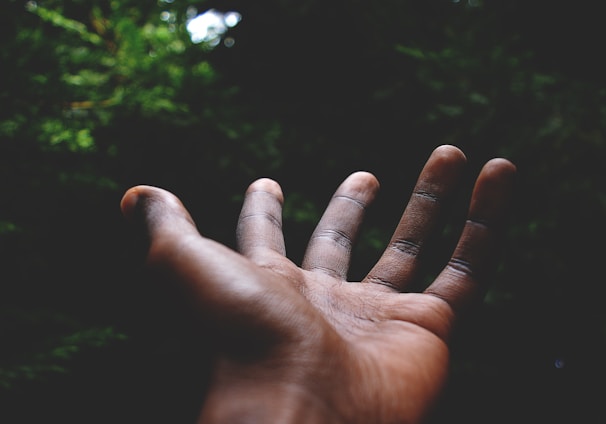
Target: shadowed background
<point>97,96</point>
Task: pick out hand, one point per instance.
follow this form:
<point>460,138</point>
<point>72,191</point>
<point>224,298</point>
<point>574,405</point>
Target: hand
<point>301,344</point>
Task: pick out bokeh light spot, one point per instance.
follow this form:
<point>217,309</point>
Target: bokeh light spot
<point>210,26</point>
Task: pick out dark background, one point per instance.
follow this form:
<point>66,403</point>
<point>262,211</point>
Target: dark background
<point>97,96</point>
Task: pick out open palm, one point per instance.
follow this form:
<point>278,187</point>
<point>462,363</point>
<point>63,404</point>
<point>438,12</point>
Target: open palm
<point>301,344</point>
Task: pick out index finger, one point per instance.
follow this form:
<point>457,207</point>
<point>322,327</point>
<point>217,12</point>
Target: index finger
<point>259,228</point>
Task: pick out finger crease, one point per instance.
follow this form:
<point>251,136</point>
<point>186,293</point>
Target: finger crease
<point>427,195</point>
<point>267,216</point>
<point>383,282</point>
<point>339,237</point>
<point>439,296</point>
<point>461,266</point>
<point>407,247</point>
<point>351,199</point>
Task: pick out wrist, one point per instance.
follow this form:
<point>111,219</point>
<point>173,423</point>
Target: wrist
<point>254,402</point>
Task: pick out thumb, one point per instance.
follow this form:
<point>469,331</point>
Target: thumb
<point>157,211</point>
<point>175,247</point>
<point>158,222</point>
<point>227,291</point>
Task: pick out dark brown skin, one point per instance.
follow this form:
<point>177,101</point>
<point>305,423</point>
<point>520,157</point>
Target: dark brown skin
<point>303,345</point>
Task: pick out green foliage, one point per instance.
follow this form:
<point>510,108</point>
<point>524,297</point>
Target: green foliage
<point>69,25</point>
<point>7,227</point>
<point>39,344</point>
<point>101,95</point>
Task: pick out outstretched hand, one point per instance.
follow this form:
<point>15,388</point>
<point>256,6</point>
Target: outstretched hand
<point>302,344</point>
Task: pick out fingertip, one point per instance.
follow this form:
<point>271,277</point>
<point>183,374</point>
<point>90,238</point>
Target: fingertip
<point>497,175</point>
<point>134,196</point>
<point>362,182</point>
<point>129,202</point>
<point>267,185</point>
<point>151,204</point>
<point>443,170</point>
<point>500,166</point>
<point>493,192</point>
<point>448,152</point>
